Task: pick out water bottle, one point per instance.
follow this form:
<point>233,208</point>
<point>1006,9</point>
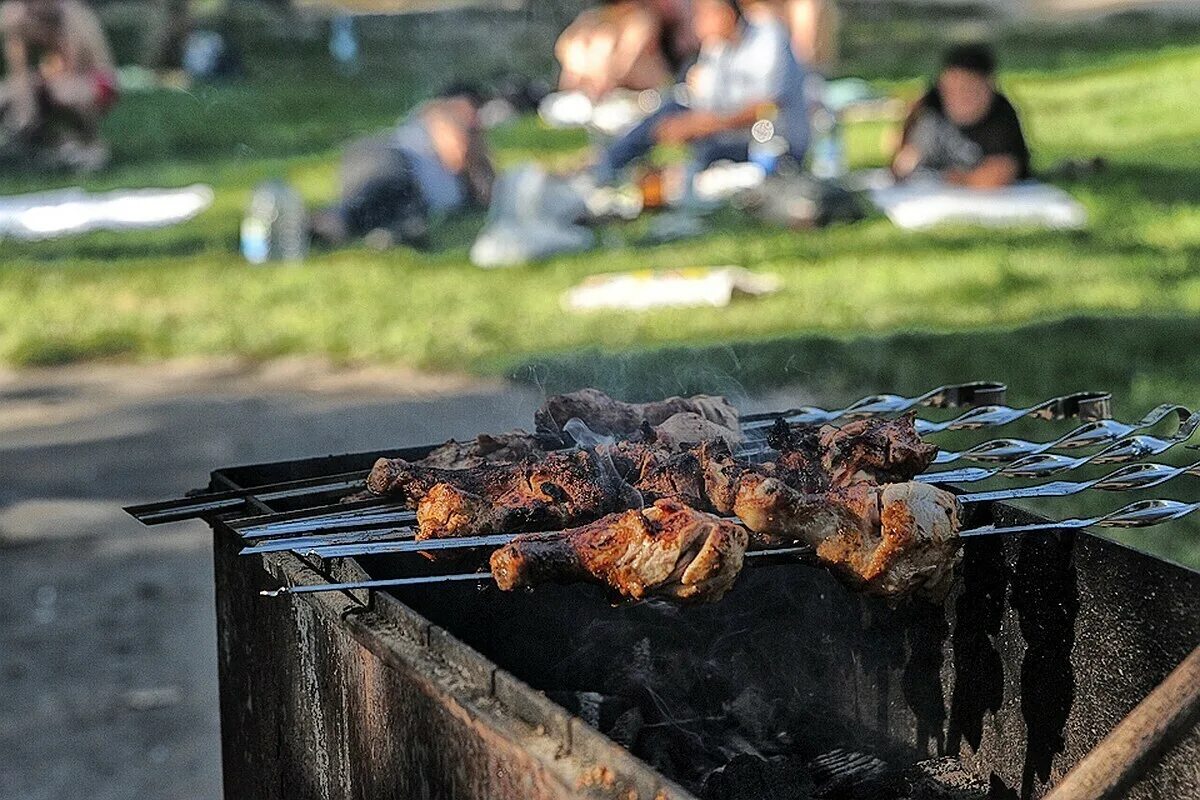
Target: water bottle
<point>828,153</point>
<point>767,146</point>
<point>343,43</point>
<point>275,227</point>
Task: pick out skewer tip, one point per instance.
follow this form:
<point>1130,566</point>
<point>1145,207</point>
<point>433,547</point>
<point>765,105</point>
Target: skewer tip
<point>276,592</point>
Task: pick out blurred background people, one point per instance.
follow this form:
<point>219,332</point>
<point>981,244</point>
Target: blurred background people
<point>60,81</point>
<point>746,72</point>
<point>963,130</point>
<point>814,26</point>
<point>624,44</point>
<point>395,185</point>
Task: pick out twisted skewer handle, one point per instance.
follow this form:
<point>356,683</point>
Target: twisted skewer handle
<point>1090,434</point>
<point>1141,514</point>
<point>1041,465</point>
<point>949,396</point>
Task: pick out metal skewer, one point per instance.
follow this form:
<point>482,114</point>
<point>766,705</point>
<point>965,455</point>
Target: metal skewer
<point>1125,479</point>
<point>949,396</point>
<point>213,502</point>
<point>1090,434</point>
<point>329,519</point>
<point>401,540</point>
<point>1041,465</point>
<point>1141,514</point>
<point>756,555</point>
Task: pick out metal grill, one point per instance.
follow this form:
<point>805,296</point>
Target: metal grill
<point>297,516</point>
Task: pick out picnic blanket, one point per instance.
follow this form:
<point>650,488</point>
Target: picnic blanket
<point>924,203</point>
<point>47,215</point>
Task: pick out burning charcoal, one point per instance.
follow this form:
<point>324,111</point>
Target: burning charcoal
<point>847,775</point>
<point>749,777</point>
<point>944,779</point>
<point>626,727</point>
<point>754,715</point>
<point>598,710</point>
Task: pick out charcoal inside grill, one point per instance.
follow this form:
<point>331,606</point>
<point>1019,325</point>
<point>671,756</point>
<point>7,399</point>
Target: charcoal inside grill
<point>733,700</point>
<point>841,774</point>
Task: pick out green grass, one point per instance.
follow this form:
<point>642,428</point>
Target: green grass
<point>863,308</point>
<point>184,290</point>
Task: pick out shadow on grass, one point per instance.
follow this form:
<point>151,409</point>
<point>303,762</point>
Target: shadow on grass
<point>1036,361</point>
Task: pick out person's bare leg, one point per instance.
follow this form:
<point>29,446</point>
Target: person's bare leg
<point>73,101</point>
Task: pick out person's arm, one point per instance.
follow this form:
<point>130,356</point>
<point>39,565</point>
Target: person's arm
<point>478,171</point>
<point>772,57</point>
<point>907,156</point>
<point>85,47</point>
<point>992,172</point>
<point>697,124</point>
<point>16,53</point>
<point>636,32</point>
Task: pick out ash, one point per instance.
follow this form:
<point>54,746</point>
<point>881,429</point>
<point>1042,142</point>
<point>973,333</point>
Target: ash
<point>790,687</point>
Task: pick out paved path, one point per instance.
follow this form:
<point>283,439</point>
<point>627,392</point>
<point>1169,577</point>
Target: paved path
<point>107,636</point>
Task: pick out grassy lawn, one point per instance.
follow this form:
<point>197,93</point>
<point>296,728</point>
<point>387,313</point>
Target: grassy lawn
<point>863,307</point>
<point>1122,91</point>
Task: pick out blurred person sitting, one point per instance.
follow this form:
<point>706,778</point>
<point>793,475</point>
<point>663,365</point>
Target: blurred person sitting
<point>395,185</point>
<point>623,44</point>
<point>964,131</point>
<point>746,72</point>
<point>61,81</point>
<point>814,28</point>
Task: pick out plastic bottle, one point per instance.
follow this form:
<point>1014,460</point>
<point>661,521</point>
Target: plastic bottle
<point>767,146</point>
<point>343,43</point>
<point>828,152</point>
<point>275,227</point>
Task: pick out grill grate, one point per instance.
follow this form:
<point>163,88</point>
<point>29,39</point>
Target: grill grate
<point>296,516</point>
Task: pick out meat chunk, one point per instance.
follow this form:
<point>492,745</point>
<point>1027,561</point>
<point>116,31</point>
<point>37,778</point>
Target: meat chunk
<point>501,448</point>
<point>889,540</point>
<point>666,550</point>
<point>689,428</point>
<point>912,547</point>
<point>607,416</point>
<point>873,449</point>
<point>564,488</point>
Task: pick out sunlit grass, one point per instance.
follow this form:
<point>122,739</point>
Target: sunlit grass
<point>184,290</point>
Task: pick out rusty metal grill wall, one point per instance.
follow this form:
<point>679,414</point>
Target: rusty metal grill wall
<point>1047,642</point>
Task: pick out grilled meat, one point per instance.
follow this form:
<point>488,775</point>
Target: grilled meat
<point>564,488</point>
<point>908,542</point>
<point>877,450</point>
<point>675,432</point>
<point>890,539</point>
<point>607,416</point>
<point>502,448</point>
<point>666,550</point>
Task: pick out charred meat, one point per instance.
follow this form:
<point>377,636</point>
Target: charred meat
<point>667,550</point>
<point>610,417</point>
<point>874,449</point>
<point>502,448</point>
<point>564,488</point>
<point>891,539</point>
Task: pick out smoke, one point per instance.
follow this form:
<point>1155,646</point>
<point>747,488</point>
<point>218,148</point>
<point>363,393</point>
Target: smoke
<point>599,446</point>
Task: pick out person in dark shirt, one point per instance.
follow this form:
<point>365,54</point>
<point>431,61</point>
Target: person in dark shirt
<point>963,130</point>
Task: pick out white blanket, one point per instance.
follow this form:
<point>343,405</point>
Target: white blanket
<point>46,215</point>
<point>923,204</point>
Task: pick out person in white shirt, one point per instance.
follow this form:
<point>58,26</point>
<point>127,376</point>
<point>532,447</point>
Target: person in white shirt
<point>746,72</point>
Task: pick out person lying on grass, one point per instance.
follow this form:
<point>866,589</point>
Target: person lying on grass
<point>746,72</point>
<point>396,184</point>
<point>963,130</point>
<point>61,82</point>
